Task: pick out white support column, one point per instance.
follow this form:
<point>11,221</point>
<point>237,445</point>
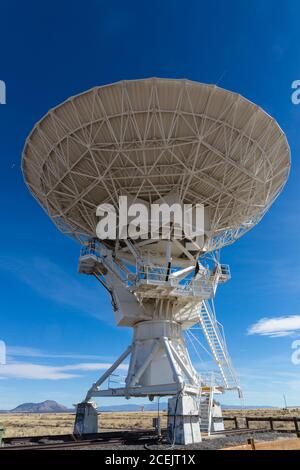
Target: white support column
<point>183,366</point>
<point>144,366</point>
<point>176,374</point>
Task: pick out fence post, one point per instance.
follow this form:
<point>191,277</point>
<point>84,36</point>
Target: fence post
<point>236,423</point>
<point>247,422</point>
<point>296,426</point>
<point>251,443</point>
<point>271,424</point>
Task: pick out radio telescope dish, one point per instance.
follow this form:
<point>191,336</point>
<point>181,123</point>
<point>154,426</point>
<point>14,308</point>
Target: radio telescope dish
<point>159,140</point>
<point>149,137</point>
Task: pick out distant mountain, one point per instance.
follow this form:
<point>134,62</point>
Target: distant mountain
<point>48,406</point>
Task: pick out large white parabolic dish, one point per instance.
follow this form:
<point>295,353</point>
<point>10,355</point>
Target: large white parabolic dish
<point>148,138</point>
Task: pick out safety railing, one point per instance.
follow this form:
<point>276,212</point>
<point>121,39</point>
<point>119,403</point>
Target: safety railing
<point>202,285</point>
<point>211,378</point>
<point>223,272</point>
<point>116,381</point>
<point>89,250</point>
<point>189,286</point>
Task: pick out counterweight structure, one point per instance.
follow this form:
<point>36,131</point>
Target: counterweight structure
<point>172,141</point>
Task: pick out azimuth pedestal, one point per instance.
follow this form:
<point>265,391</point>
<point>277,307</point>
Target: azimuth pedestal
<point>159,366</point>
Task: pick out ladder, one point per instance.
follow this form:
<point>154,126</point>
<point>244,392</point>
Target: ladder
<point>204,415</point>
<point>214,335</point>
<point>206,407</point>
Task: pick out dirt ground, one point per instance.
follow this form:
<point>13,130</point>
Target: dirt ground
<point>35,424</point>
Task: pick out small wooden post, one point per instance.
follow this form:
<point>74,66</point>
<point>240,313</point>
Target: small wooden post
<point>236,423</point>
<point>271,424</point>
<point>251,443</point>
<point>296,426</point>
<point>247,422</point>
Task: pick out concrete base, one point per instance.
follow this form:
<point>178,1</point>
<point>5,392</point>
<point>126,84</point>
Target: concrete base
<point>217,423</point>
<point>183,420</point>
<point>86,421</point>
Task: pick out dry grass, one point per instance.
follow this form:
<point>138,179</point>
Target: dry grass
<point>38,424</point>
<point>31,424</point>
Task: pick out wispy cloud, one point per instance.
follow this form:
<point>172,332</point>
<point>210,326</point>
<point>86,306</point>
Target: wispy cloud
<point>24,351</point>
<point>92,366</point>
<point>33,372</point>
<point>276,326</point>
<point>49,280</point>
<point>23,370</point>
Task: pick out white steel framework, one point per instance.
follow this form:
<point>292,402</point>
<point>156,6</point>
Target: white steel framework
<point>146,138</point>
<point>159,140</point>
<point>160,306</point>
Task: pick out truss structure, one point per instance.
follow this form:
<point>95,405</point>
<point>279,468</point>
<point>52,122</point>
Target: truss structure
<point>166,140</point>
<point>160,304</point>
<point>146,138</point>
<point>147,297</point>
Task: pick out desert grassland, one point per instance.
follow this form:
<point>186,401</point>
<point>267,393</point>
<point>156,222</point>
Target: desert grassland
<point>39,424</point>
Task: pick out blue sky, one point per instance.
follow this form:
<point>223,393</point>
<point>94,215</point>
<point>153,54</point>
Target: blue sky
<point>58,326</point>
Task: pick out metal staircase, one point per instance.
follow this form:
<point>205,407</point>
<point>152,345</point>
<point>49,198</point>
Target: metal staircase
<point>204,414</point>
<point>213,332</point>
<point>206,406</point>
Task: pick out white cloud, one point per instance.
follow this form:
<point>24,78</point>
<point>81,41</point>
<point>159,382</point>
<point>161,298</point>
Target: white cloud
<point>24,351</point>
<point>44,372</point>
<point>92,366</point>
<point>33,372</point>
<point>276,327</point>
